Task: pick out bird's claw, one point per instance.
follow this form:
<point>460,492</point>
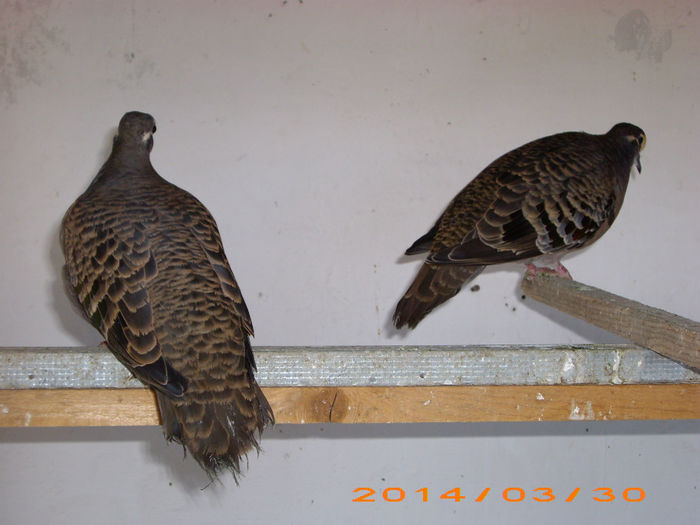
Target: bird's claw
<point>559,270</point>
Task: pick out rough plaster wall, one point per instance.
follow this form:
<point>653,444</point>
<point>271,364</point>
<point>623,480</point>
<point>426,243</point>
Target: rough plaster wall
<point>325,138</point>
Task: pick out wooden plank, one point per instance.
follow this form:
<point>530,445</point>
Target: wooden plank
<point>668,334</point>
<point>78,408</point>
<point>129,407</point>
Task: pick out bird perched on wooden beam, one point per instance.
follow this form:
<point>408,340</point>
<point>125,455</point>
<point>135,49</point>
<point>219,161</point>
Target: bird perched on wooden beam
<point>537,202</point>
<point>145,262</point>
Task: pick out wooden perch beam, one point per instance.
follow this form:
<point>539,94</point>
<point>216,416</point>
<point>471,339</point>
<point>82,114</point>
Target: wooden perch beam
<point>88,387</point>
<point>668,334</point>
<point>137,406</point>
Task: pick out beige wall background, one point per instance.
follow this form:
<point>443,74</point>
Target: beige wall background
<point>325,137</point>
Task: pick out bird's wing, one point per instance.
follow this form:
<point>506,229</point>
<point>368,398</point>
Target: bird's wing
<point>540,203</point>
<point>203,226</point>
<point>197,218</point>
<point>109,267</point>
<point>424,244</point>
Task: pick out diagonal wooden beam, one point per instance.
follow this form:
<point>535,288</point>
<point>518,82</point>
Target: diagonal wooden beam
<point>668,334</point>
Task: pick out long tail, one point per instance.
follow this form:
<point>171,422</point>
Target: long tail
<point>433,285</point>
<point>218,433</point>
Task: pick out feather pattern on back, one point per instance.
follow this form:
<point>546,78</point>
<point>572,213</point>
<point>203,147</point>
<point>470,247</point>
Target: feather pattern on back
<point>145,260</point>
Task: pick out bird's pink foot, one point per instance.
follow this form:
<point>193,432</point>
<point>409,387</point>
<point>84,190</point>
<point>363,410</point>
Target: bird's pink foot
<point>533,270</point>
<point>559,270</point>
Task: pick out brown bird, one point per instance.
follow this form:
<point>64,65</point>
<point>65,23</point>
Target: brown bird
<point>145,262</point>
<point>539,201</point>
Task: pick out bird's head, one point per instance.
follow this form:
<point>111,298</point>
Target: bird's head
<point>631,138</point>
<point>136,129</point>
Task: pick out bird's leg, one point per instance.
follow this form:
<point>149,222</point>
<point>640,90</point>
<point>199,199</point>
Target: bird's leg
<point>558,269</point>
<point>533,270</point>
<point>561,271</point>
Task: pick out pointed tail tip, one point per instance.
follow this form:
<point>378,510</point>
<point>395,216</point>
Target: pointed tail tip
<point>409,312</point>
<point>433,285</point>
<point>227,449</point>
<point>219,435</point>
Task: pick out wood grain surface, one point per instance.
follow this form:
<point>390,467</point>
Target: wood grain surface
<point>130,407</point>
<point>668,334</point>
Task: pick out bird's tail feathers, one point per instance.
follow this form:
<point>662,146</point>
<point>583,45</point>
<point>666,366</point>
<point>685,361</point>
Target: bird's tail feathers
<point>218,434</point>
<point>433,285</point>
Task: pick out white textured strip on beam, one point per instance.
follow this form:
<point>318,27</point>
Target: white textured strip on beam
<point>89,367</point>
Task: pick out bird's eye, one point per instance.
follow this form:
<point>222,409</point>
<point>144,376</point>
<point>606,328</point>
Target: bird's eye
<point>154,129</point>
<point>642,139</point>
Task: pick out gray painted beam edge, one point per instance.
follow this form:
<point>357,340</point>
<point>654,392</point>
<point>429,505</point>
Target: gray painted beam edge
<point>95,367</point>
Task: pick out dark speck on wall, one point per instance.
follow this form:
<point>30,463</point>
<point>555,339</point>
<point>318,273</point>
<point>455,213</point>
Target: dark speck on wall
<point>475,288</point>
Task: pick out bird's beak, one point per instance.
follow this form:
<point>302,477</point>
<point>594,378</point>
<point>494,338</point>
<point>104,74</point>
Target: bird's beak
<point>639,166</point>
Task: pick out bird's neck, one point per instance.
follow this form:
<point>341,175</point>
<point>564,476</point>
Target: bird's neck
<point>130,155</point>
<point>126,166</point>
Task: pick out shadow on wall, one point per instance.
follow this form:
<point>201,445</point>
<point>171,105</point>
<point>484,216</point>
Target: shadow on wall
<point>70,318</point>
<point>576,325</point>
<point>185,471</point>
<point>69,315</point>
<point>154,435</point>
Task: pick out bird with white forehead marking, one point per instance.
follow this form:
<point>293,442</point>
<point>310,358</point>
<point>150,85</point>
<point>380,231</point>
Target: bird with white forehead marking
<point>146,265</point>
